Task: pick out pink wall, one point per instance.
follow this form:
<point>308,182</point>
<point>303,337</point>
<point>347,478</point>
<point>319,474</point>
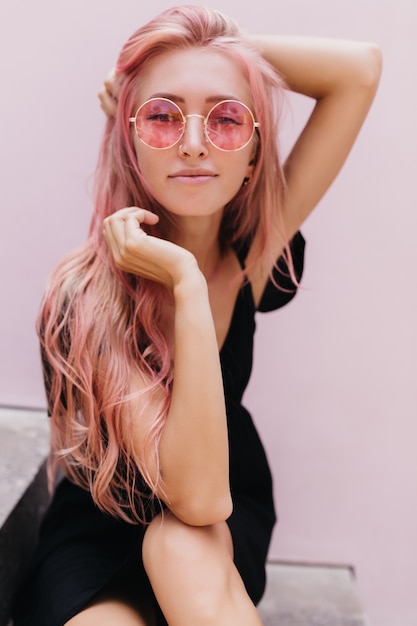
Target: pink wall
<point>342,427</point>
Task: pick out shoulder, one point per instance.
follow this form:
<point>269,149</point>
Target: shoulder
<point>282,282</point>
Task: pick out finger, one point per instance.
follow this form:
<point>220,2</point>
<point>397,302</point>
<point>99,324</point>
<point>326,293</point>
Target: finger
<point>113,83</point>
<point>144,216</point>
<point>113,232</point>
<point>125,240</point>
<point>125,225</point>
<point>107,102</point>
<point>109,92</point>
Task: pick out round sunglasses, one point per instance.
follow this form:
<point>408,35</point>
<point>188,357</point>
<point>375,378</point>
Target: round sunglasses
<point>160,124</point>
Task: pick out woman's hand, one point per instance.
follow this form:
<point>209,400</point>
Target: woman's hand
<point>136,252</point>
<point>109,93</point>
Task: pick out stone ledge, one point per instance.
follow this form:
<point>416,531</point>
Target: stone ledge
<point>311,595</point>
<point>24,441</point>
<point>24,436</point>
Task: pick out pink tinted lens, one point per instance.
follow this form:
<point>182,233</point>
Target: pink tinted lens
<point>159,123</point>
<point>230,125</point>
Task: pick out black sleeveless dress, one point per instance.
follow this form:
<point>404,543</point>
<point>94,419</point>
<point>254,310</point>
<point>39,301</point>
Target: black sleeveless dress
<point>80,549</point>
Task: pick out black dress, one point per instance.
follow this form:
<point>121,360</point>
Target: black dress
<point>80,549</point>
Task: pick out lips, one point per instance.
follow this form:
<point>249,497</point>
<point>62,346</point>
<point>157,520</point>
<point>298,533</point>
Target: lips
<point>191,174</point>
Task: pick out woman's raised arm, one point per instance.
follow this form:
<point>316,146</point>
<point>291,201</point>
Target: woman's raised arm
<point>342,77</point>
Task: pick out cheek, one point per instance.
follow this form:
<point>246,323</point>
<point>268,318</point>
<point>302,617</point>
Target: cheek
<point>140,151</point>
<point>231,181</point>
<point>150,163</point>
<point>148,170</point>
<point>240,167</point>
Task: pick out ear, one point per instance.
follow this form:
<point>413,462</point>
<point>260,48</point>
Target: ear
<point>254,156</point>
<point>249,171</point>
<point>252,162</point>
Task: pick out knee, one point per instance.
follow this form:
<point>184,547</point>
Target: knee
<point>168,540</point>
<point>195,560</point>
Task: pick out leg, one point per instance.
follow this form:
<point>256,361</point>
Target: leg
<point>193,576</point>
<point>126,600</point>
<point>108,612</point>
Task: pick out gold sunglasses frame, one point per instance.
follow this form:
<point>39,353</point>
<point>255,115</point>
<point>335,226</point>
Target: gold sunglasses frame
<point>204,118</point>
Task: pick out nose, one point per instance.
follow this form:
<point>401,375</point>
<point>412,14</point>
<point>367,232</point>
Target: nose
<point>194,140</point>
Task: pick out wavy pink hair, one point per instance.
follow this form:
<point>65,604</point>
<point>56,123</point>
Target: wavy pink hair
<point>98,325</point>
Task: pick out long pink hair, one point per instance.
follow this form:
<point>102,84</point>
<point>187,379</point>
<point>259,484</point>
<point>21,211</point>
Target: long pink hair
<point>98,325</point>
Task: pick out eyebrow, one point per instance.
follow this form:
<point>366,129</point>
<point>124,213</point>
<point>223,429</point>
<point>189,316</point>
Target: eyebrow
<point>210,99</point>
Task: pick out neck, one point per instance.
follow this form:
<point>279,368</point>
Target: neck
<point>201,237</point>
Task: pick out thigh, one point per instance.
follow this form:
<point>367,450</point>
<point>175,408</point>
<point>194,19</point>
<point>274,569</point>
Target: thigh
<point>108,612</point>
<point>126,600</point>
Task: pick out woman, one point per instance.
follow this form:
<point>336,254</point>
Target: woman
<point>166,510</point>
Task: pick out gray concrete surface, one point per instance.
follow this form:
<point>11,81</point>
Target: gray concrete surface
<point>311,595</point>
<point>23,495</point>
<point>23,447</point>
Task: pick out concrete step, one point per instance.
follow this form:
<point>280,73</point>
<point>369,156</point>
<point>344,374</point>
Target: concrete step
<point>296,594</point>
<point>311,595</point>
<point>23,494</point>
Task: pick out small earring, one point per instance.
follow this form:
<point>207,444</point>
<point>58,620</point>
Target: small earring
<point>246,181</point>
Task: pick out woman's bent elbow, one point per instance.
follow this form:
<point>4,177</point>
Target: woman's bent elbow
<point>204,513</point>
<point>373,66</point>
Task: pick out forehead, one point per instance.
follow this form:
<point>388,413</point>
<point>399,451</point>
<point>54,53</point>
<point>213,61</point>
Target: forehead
<point>194,74</point>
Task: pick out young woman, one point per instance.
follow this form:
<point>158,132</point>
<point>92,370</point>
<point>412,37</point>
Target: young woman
<point>166,509</point>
